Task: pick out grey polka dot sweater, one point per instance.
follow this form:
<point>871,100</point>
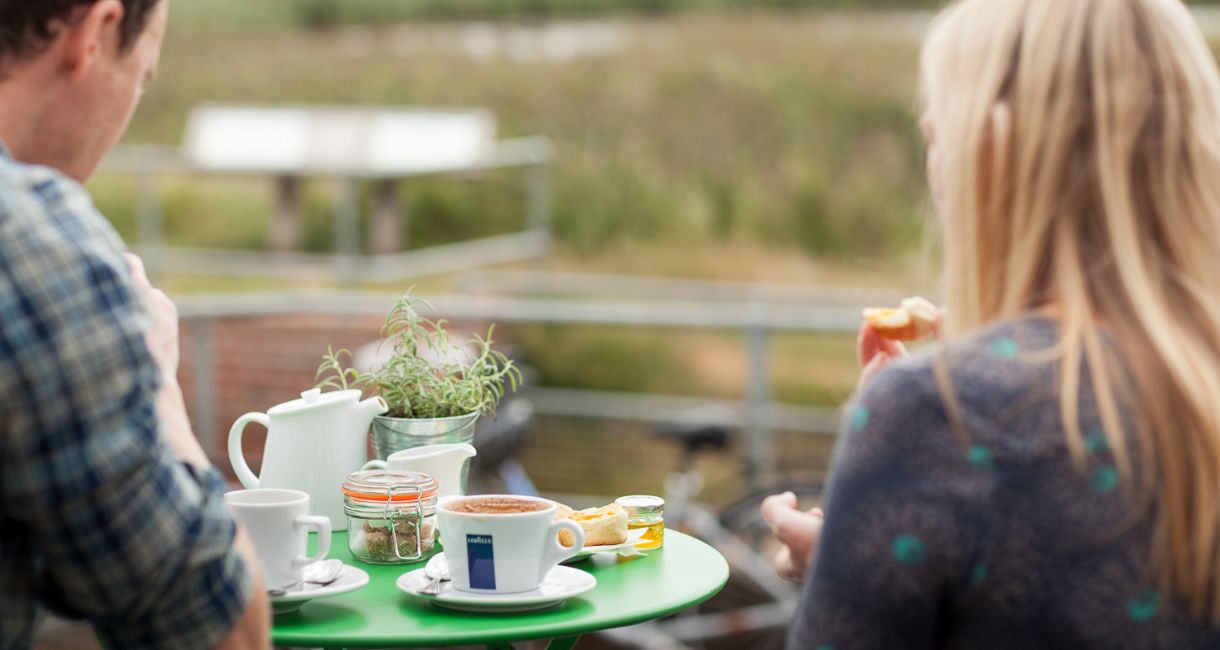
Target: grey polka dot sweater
<point>987,537</point>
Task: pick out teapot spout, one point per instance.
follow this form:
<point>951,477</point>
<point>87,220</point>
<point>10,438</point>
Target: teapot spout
<point>372,407</point>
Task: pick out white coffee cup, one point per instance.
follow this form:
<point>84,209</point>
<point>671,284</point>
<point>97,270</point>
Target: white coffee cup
<point>278,522</point>
<point>503,553</point>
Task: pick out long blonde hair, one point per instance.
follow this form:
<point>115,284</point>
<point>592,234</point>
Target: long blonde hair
<point>1079,167</point>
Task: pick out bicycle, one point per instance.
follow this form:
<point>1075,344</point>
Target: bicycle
<point>756,602</point>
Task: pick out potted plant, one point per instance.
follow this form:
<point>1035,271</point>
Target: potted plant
<point>436,389</point>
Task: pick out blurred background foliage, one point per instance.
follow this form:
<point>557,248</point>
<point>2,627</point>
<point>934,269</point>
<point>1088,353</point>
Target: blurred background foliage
<point>729,140</point>
<point>326,13</point>
<point>770,141</point>
<point>751,127</point>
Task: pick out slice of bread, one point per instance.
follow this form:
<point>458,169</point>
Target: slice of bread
<point>603,526</point>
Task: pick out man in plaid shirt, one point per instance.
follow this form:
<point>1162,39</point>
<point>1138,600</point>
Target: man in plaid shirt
<point>109,509</point>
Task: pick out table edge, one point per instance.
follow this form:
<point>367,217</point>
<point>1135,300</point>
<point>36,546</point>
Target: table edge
<point>556,630</point>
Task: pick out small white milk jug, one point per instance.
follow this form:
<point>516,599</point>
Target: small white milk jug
<point>442,462</point>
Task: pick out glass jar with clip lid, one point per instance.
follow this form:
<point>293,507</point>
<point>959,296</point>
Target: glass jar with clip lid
<point>391,516</point>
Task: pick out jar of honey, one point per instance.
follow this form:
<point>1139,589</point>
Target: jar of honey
<point>648,512</point>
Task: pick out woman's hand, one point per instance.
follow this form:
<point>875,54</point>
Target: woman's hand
<point>875,352</point>
<point>798,532</point>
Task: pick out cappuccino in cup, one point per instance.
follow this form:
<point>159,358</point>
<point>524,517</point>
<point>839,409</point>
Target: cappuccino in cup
<point>503,544</point>
<point>496,505</point>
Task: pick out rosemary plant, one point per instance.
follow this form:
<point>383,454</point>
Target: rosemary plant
<point>427,376</point>
<point>340,377</point>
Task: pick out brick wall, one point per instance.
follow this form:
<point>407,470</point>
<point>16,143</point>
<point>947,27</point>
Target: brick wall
<point>258,362</point>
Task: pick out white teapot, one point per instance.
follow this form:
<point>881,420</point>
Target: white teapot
<point>313,443</point>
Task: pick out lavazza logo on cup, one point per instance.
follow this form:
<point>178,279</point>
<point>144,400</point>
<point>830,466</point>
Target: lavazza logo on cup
<point>503,544</point>
<point>481,561</point>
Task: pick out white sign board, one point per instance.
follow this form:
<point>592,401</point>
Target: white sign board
<point>338,141</point>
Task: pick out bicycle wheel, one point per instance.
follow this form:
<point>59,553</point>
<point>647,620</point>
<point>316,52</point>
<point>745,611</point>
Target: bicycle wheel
<point>756,606</point>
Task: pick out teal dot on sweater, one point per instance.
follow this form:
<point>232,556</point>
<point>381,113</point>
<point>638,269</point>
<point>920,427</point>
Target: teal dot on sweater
<point>1096,443</point>
<point>1105,479</point>
<point>909,550</point>
<point>1144,606</point>
<point>859,418</point>
<point>978,574</point>
<point>825,647</point>
<point>1005,348</point>
<point>980,456</point>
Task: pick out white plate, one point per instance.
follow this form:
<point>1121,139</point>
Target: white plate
<point>350,580</point>
<point>559,585</point>
<point>633,538</point>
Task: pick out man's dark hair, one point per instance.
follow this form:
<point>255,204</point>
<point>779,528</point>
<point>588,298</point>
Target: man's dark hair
<point>26,26</point>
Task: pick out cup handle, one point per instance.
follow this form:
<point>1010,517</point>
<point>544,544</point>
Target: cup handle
<point>320,524</point>
<point>236,456</point>
<point>375,464</point>
<point>557,552</point>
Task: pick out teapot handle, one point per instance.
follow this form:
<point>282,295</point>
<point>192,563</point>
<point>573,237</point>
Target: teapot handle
<point>240,467</point>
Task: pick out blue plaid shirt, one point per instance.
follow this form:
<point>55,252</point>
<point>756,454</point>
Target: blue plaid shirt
<point>98,519</point>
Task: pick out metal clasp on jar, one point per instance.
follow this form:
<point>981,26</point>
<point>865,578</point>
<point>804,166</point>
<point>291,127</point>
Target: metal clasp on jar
<point>393,515</point>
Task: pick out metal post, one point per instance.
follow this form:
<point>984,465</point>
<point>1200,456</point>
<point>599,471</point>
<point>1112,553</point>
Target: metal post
<point>538,197</point>
<point>285,233</point>
<point>149,225</point>
<point>758,398</point>
<point>386,234</point>
<point>203,385</point>
<point>347,226</point>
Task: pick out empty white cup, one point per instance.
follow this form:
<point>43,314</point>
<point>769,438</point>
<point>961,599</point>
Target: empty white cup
<point>278,522</point>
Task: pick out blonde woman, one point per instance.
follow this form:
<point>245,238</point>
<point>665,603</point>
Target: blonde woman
<point>1049,476</point>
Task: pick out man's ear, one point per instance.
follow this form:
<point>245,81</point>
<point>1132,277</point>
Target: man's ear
<point>87,35</point>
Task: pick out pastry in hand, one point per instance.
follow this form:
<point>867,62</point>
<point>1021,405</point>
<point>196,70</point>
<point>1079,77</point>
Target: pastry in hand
<point>603,526</point>
<point>914,319</point>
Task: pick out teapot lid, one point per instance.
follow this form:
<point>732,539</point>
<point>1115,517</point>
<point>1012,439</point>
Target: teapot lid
<point>314,398</point>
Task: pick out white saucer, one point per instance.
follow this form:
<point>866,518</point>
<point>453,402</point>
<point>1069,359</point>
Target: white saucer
<point>633,538</point>
<point>350,580</point>
<point>559,585</point>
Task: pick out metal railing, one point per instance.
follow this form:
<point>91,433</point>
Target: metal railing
<point>150,165</point>
<point>758,415</point>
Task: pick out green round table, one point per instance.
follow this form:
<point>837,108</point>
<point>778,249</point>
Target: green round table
<point>629,590</point>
